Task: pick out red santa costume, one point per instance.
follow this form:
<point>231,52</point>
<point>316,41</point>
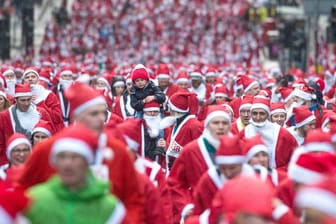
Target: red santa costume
<point>279,142</point>
<point>186,127</point>
<point>229,152</point>
<point>111,157</point>
<point>47,100</point>
<point>163,72</point>
<point>194,160</point>
<point>203,91</point>
<point>13,120</point>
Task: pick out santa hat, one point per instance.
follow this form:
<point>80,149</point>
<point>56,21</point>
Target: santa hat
<point>311,167</point>
<point>139,72</point>
<point>3,81</point>
<point>43,126</point>
<point>247,82</point>
<point>221,91</point>
<point>229,151</point>
<point>106,82</point>
<point>253,146</point>
<point>183,102</point>
<point>67,70</point>
<point>31,70</point>
<point>286,94</point>
<point>132,131</point>
<point>318,141</point>
<point>163,72</point>
<point>15,140</point>
<point>261,103</point>
<point>320,196</point>
<point>152,106</point>
<point>8,72</point>
<point>211,72</point>
<point>278,107</point>
<point>182,77</point>
<point>196,74</point>
<point>246,102</point>
<point>333,128</point>
<point>305,93</point>
<point>326,118</point>
<point>216,111</point>
<point>78,139</point>
<point>246,194</point>
<point>80,102</point>
<point>303,116</point>
<point>22,90</point>
<point>45,75</point>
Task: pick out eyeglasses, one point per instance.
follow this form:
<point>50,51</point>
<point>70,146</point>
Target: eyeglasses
<point>18,151</point>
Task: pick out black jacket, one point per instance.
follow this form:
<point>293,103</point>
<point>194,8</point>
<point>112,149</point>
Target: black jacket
<point>137,95</point>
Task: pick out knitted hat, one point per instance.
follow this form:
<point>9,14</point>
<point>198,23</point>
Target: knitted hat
<point>253,146</point>
<point>278,107</point>
<point>43,126</point>
<point>183,102</point>
<point>303,116</point>
<point>320,196</point>
<point>80,102</point>
<point>216,111</point>
<point>261,103</point>
<point>311,167</point>
<point>139,72</point>
<point>34,70</point>
<point>15,140</point>
<point>22,90</point>
<point>78,139</point>
<point>163,72</point>
<point>229,151</point>
<point>152,106</point>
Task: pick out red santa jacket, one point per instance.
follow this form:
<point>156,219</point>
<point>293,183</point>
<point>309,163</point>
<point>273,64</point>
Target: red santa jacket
<point>171,89</point>
<point>120,167</point>
<point>188,168</point>
<point>7,129</point>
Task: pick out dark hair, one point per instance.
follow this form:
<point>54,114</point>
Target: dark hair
<point>117,79</point>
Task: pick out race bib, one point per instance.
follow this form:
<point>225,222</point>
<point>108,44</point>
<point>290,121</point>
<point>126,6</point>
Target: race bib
<point>101,172</point>
<point>174,149</point>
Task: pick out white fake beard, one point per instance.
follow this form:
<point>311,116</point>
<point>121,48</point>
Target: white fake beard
<point>153,123</point>
<point>11,87</point>
<point>65,83</point>
<point>167,121</point>
<point>211,139</point>
<point>258,124</point>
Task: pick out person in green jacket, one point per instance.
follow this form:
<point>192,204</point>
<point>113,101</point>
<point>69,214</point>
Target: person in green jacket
<point>74,195</point>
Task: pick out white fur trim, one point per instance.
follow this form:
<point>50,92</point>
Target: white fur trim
<point>84,106</point>
<point>303,175</point>
<point>174,108</point>
<point>43,130</point>
<point>23,94</point>
<point>66,72</point>
<point>278,111</point>
<point>72,145</point>
<point>118,214</point>
<point>302,94</point>
<point>131,143</point>
<point>279,212</point>
<point>319,199</point>
<point>333,138</point>
<point>211,74</point>
<point>162,76</point>
<point>250,86</point>
<point>16,142</point>
<point>254,150</point>
<point>5,217</point>
<point>214,114</point>
<point>118,83</point>
<point>249,105</point>
<point>324,124</point>
<point>195,74</point>
<point>45,80</point>
<point>187,209</point>
<point>8,71</point>
<point>305,121</point>
<point>182,80</point>
<point>260,106</point>
<point>204,217</point>
<point>222,160</point>
<point>221,95</point>
<point>151,109</point>
<point>288,97</point>
<point>30,71</point>
<point>319,147</point>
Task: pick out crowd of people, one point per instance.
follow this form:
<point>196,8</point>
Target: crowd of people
<point>90,141</point>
